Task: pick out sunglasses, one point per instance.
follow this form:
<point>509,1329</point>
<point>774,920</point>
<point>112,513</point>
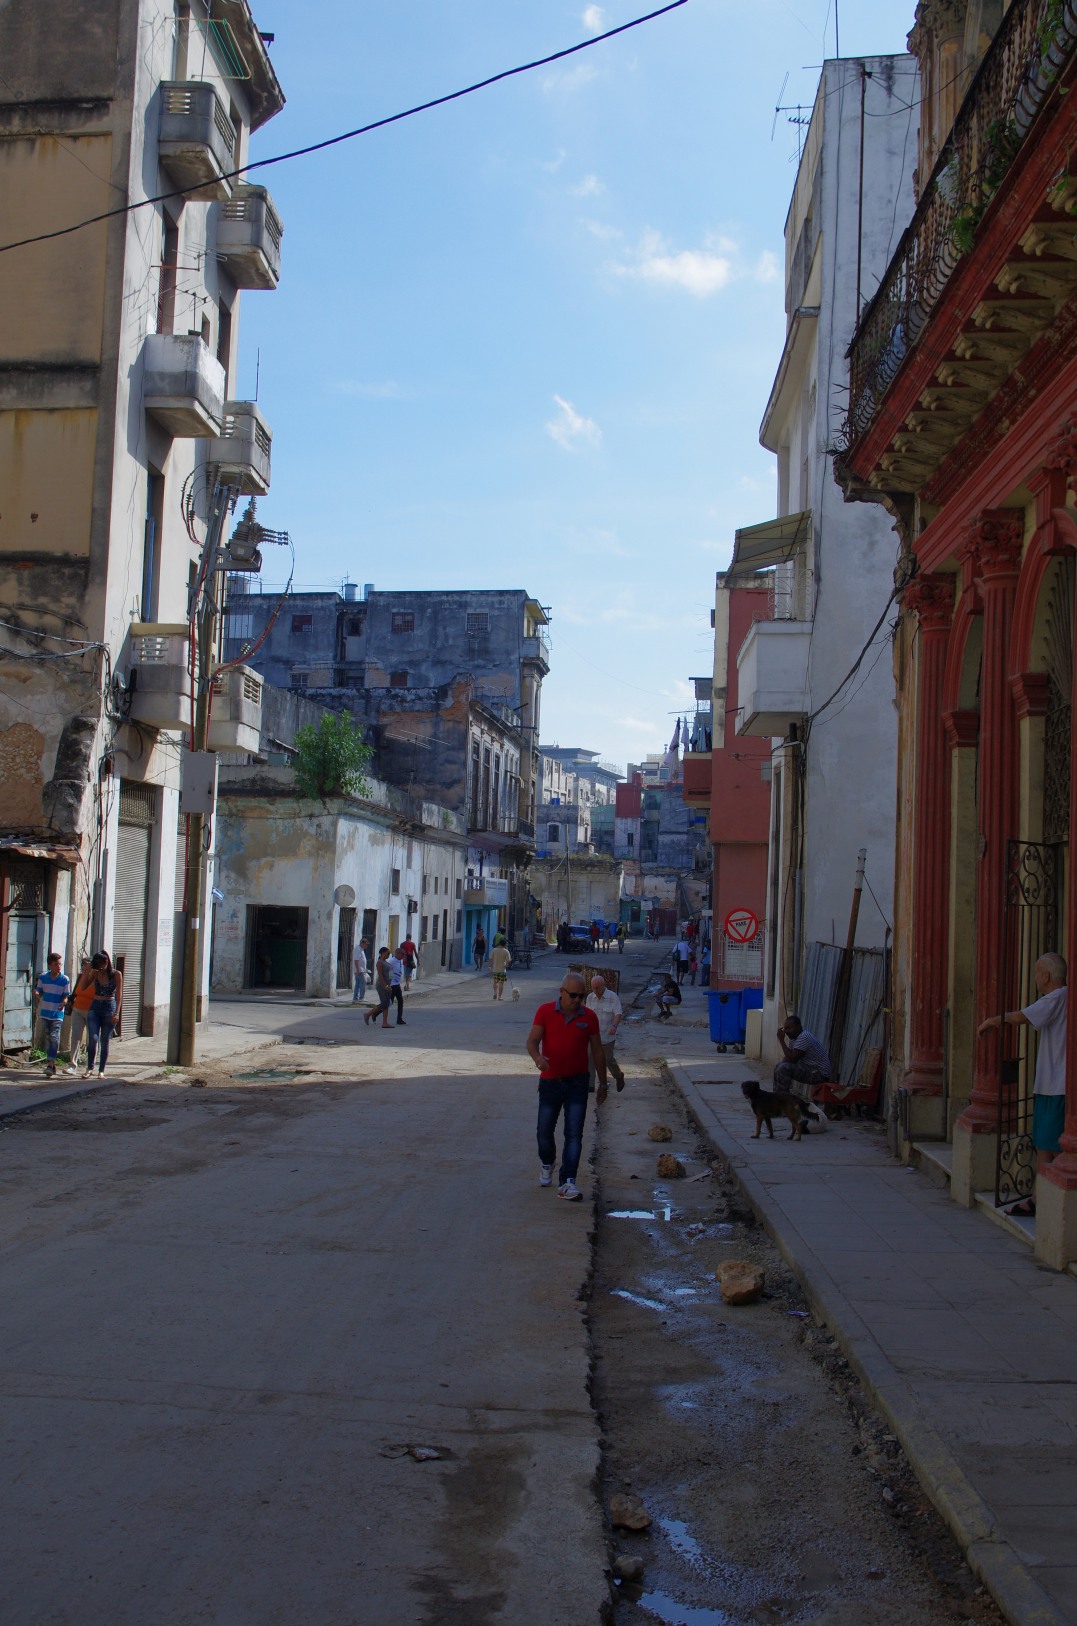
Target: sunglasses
<point>571,994</point>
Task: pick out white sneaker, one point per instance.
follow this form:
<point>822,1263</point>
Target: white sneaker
<point>569,1192</point>
<point>545,1174</point>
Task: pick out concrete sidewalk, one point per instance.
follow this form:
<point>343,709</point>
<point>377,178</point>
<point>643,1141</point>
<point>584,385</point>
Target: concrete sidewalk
<point>966,1344</point>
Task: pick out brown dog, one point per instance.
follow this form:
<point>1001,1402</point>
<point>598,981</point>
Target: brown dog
<point>769,1104</point>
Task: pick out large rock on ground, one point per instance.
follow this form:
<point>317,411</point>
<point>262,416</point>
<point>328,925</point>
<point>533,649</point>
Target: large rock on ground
<point>659,1132</point>
<point>741,1282</point>
<point>628,1513</point>
<point>670,1167</point>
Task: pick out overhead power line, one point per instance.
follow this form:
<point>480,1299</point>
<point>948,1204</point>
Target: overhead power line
<point>351,135</point>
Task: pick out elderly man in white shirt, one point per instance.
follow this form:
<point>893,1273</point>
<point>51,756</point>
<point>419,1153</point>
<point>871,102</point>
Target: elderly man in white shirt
<point>607,1007</point>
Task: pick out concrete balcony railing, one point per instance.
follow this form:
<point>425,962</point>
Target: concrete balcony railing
<point>158,681</point>
<point>537,648</point>
<point>248,238</point>
<point>491,893</point>
<point>197,139</point>
<point>183,385</point>
<point>235,719</point>
<point>772,669</point>
<point>243,448</point>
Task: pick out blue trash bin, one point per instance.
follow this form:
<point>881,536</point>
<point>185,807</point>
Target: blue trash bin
<point>751,999</point>
<point>725,1019</point>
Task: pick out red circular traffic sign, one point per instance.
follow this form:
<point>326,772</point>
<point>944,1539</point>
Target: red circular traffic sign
<point>741,925</point>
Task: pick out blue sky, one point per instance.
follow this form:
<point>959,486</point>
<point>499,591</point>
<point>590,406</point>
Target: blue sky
<point>526,340</point>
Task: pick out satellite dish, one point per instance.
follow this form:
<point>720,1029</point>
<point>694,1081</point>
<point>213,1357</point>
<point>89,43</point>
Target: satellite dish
<point>344,897</point>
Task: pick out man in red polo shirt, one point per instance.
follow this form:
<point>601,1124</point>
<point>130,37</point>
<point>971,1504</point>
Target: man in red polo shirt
<point>564,1042</point>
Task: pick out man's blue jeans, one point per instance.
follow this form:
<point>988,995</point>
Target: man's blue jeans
<point>359,991</point>
<point>51,1026</point>
<point>557,1095</point>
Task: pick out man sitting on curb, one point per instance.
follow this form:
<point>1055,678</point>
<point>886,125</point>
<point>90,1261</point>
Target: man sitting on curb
<point>1048,1016</point>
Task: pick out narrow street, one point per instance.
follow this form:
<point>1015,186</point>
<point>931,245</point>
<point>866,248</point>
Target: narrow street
<point>300,1339</point>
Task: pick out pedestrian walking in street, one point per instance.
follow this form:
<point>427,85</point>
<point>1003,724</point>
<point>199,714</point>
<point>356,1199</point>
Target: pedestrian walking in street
<point>409,959</point>
<point>806,1060</point>
<point>693,966</point>
<point>607,1007</point>
<point>705,966</point>
<point>500,960</point>
<point>50,998</point>
<point>622,933</point>
<point>478,948</point>
<point>395,967</point>
<point>360,964</point>
<point>1048,1016</point>
<point>563,1043</point>
<point>79,1005</point>
<point>103,1017</point>
<point>381,989</point>
<point>682,954</point>
<point>595,935</point>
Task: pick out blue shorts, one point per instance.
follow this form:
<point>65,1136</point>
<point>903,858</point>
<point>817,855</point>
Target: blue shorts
<point>1048,1121</point>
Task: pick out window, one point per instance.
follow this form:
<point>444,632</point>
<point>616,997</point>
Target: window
<point>354,628</point>
<point>411,852</point>
<point>444,885</point>
<point>302,623</point>
<point>424,929</point>
<point>166,288</point>
<point>436,880</point>
<point>459,893</point>
<point>631,840</point>
<point>151,556</point>
<point>300,680</point>
<point>224,341</point>
<point>426,884</point>
<point>398,680</point>
<point>394,886</point>
<point>553,832</point>
<point>459,921</point>
<point>403,621</point>
<point>478,621</point>
<point>434,933</point>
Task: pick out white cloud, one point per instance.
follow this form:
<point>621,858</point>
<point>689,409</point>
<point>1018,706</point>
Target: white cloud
<point>570,429</point>
<point>570,81</point>
<point>593,19</point>
<point>604,233</point>
<point>552,165</point>
<point>699,271</point>
<point>766,267</point>
<point>589,187</point>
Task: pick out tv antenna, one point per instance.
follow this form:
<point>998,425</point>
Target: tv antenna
<point>795,114</point>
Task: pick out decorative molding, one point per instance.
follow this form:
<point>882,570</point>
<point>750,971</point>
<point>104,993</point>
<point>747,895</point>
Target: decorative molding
<point>931,598</point>
<point>996,539</point>
<point>962,727</point>
<point>1030,693</point>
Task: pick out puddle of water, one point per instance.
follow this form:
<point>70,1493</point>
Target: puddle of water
<point>631,1213</point>
<point>682,1540</point>
<point>685,1292</point>
<point>635,1298</point>
<point>667,1609</point>
<point>261,1073</point>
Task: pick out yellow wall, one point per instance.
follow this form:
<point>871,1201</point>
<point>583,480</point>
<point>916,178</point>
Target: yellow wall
<point>46,480</point>
<point>52,294</point>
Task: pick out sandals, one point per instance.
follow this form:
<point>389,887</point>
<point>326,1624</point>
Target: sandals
<point>1025,1209</point>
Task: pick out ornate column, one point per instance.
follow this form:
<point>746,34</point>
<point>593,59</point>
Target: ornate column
<point>932,600</point>
<point>995,545</point>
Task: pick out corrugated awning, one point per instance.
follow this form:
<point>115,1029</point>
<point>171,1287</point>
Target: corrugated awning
<point>51,852</point>
<point>758,547</point>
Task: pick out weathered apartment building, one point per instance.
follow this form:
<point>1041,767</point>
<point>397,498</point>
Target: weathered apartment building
<point>576,789</point>
<point>449,686</point>
<point>118,348</point>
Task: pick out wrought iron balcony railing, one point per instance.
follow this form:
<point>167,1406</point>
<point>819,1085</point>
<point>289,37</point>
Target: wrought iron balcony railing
<point>1035,43</point>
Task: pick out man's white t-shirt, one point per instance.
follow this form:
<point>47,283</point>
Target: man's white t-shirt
<point>607,1009</point>
<point>395,970</point>
<point>1048,1017</point>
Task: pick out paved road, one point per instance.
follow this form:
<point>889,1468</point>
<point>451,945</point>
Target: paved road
<point>229,1311</point>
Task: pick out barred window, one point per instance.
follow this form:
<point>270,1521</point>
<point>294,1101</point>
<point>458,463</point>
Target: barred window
<point>478,621</point>
<point>302,623</point>
<point>403,621</point>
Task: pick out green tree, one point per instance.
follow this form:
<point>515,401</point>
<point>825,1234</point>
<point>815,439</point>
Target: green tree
<point>330,757</point>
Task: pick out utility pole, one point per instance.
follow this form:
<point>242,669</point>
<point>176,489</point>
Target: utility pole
<point>204,619</point>
<point>841,997</point>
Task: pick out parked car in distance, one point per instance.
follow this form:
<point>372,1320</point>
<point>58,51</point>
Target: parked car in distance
<point>575,936</point>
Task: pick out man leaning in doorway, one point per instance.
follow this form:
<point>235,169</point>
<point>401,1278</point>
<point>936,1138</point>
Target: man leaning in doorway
<point>1048,1016</point>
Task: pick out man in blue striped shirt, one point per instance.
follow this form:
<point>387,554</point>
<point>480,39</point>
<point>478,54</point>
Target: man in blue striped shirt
<point>50,993</point>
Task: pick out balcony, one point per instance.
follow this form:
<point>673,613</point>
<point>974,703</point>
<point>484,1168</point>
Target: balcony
<point>197,139</point>
<point>159,684</point>
<point>537,648</point>
<point>242,450</point>
<point>772,671</point>
<point>248,238</point>
<point>183,385</point>
<point>905,417</point>
<point>235,719</point>
<point>491,893</point>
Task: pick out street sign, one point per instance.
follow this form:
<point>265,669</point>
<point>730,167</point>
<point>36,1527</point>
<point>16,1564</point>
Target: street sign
<point>741,925</point>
